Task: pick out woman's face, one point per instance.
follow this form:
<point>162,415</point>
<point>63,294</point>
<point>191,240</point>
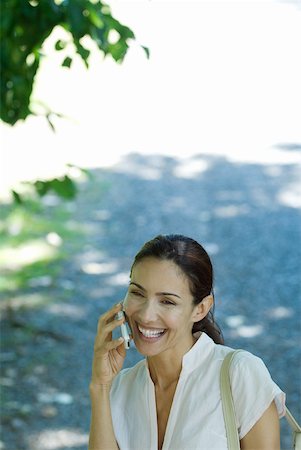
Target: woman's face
<point>159,307</point>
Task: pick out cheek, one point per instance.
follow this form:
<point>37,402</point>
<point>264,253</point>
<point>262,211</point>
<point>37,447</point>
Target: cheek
<point>178,319</point>
<point>174,320</point>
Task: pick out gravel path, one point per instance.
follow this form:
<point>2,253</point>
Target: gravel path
<point>243,214</point>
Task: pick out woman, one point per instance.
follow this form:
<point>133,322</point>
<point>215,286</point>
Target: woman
<point>171,399</point>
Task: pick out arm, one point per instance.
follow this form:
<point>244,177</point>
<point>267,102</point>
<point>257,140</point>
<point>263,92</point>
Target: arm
<point>107,362</point>
<point>101,427</point>
<point>265,434</point>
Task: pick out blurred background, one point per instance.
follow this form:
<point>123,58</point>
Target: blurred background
<point>122,123</point>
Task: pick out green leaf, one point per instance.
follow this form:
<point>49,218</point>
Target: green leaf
<point>67,62</point>
<point>25,25</point>
<point>42,187</point>
<point>147,52</point>
<point>17,197</point>
<point>64,188</point>
<point>83,52</point>
<point>118,50</point>
<point>96,19</point>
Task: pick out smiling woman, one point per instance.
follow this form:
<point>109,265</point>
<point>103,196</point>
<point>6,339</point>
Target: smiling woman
<point>192,263</point>
<point>172,399</point>
<point>161,317</point>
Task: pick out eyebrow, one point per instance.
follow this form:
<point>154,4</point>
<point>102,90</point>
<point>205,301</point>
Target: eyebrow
<point>158,293</point>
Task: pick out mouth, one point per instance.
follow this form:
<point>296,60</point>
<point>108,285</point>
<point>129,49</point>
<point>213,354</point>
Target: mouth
<point>150,334</point>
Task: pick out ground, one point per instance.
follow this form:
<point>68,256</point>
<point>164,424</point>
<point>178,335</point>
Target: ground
<point>247,217</point>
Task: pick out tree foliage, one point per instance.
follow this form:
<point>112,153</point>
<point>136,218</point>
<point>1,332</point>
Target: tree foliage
<point>63,186</point>
<point>26,24</point>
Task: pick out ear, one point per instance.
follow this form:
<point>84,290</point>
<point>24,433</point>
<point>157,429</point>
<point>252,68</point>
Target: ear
<point>201,310</point>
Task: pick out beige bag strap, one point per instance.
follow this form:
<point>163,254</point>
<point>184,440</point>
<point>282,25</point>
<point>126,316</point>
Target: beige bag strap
<point>227,402</point>
<point>292,421</point>
<point>228,405</point>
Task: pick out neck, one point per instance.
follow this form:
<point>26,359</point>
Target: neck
<point>165,368</point>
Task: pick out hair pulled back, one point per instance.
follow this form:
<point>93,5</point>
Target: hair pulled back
<point>195,263</point>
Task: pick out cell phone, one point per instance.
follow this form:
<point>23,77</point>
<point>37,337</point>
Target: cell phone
<point>124,330</point>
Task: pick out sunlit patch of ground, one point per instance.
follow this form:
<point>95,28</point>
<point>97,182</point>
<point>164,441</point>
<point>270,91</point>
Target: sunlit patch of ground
<point>57,439</point>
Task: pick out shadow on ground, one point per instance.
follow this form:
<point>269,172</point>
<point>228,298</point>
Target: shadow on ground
<point>248,218</point>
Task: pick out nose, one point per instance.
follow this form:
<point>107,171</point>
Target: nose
<point>148,312</point>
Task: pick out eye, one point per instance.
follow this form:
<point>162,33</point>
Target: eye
<point>136,293</point>
<point>168,302</point>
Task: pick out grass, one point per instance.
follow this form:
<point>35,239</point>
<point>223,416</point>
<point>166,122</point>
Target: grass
<point>34,241</point>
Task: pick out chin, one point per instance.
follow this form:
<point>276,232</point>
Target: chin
<point>147,352</point>
<point>147,348</point>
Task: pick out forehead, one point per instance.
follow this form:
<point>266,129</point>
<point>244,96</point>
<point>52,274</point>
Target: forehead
<point>157,273</point>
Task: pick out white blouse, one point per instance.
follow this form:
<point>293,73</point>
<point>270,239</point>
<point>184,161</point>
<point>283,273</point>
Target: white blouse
<point>196,418</point>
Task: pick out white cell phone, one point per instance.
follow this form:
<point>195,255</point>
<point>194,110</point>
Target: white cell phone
<point>124,330</point>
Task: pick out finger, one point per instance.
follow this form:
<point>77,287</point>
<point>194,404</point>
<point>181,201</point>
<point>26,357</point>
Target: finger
<point>112,325</point>
<point>105,333</point>
<point>111,345</point>
<point>111,312</point>
<point>109,315</point>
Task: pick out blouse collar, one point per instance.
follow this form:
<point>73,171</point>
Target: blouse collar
<point>198,353</point>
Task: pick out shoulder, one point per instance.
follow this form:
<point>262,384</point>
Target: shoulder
<point>242,360</point>
<point>253,390</point>
<point>249,374</point>
<point>247,364</point>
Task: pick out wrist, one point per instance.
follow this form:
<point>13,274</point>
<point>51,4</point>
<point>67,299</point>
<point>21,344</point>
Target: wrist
<point>96,386</point>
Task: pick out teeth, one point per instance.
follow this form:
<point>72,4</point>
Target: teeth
<point>150,333</point>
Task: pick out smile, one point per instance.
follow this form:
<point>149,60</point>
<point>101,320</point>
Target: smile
<point>151,333</point>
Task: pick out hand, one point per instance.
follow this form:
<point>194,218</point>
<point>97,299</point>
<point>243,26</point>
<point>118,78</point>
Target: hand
<point>108,354</point>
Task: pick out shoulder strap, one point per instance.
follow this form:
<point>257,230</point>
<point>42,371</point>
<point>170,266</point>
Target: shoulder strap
<point>228,405</point>
<point>292,421</point>
<point>227,402</point>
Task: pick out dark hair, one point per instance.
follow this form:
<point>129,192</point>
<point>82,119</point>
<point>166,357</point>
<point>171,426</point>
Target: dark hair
<point>195,263</point>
